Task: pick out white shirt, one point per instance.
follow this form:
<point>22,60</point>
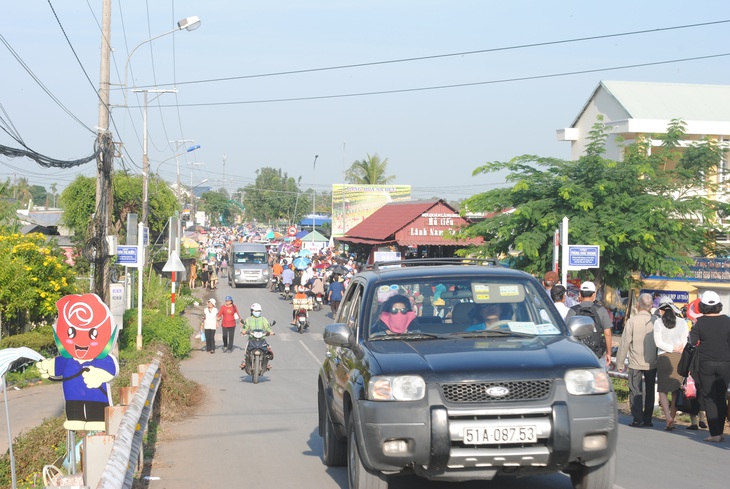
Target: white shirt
<point>562,309</point>
<point>666,339</point>
<point>210,317</point>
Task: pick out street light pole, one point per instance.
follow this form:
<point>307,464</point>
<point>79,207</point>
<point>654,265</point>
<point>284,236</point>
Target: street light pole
<point>314,196</point>
<point>178,143</point>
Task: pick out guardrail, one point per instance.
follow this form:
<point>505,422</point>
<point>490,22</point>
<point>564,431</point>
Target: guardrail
<point>122,464</point>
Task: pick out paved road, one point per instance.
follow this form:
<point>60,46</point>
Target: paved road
<point>265,435</point>
<point>28,408</point>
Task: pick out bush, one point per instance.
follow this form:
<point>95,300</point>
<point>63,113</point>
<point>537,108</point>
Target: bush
<point>173,331</point>
<point>40,340</point>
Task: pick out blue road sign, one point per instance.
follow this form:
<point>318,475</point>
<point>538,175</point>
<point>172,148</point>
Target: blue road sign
<point>583,256</point>
<point>127,255</point>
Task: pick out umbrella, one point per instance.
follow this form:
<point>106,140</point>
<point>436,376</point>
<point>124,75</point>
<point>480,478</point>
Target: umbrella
<point>305,252</point>
<point>273,235</point>
<point>301,263</point>
<point>188,243</point>
<point>337,269</point>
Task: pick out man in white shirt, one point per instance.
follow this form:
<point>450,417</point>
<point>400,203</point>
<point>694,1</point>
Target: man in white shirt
<point>557,294</point>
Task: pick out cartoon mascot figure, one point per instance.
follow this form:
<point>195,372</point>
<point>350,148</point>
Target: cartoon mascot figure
<point>85,335</point>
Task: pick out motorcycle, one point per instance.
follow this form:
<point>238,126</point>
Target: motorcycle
<point>318,301</point>
<point>287,294</point>
<point>301,320</point>
<point>258,354</point>
<point>275,286</point>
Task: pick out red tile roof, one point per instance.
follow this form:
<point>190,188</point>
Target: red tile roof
<point>382,224</point>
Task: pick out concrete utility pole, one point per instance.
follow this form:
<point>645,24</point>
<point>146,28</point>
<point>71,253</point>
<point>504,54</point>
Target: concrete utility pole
<point>104,164</point>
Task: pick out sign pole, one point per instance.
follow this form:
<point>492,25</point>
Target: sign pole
<point>564,239</point>
<point>140,280</point>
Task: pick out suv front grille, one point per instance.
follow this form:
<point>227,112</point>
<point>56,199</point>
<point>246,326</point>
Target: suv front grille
<point>518,390</point>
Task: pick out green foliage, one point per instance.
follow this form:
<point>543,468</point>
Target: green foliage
<point>33,449</point>
<point>78,201</point>
<point>370,171</point>
<point>39,339</point>
<point>274,196</point>
<point>648,213</point>
<point>219,209</point>
<point>621,387</point>
<point>173,331</point>
<point>33,276</point>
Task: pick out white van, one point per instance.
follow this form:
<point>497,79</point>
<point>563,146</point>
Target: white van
<point>248,264</point>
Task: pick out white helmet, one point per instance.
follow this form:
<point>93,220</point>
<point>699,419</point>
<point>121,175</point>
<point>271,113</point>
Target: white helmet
<point>255,306</point>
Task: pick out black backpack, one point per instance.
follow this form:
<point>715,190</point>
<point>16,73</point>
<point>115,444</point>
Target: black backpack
<point>596,341</point>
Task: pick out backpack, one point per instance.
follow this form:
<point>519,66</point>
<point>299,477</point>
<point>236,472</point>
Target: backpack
<point>596,341</point>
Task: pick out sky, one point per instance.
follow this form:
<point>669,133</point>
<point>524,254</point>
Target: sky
<point>271,83</point>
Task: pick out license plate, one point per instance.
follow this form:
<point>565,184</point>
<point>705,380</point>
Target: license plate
<point>500,434</point>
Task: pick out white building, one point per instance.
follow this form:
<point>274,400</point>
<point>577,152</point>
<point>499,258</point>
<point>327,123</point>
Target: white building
<point>631,109</point>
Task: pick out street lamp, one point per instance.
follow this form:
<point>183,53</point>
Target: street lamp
<point>188,23</point>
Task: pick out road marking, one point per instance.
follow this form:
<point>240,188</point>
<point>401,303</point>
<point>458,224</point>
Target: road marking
<point>316,358</point>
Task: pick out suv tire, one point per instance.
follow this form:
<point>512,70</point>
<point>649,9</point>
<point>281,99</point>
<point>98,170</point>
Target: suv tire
<point>601,477</point>
<point>334,452</point>
<point>358,477</point>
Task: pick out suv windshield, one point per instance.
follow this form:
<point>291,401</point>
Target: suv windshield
<point>463,306</point>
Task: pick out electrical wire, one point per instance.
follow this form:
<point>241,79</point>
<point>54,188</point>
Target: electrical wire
<point>449,55</point>
<point>455,85</point>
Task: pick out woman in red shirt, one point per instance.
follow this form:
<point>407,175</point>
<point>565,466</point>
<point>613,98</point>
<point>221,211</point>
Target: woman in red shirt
<point>228,315</point>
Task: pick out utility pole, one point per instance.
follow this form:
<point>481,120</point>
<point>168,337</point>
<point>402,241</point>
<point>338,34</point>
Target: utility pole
<point>104,164</point>
<point>178,143</point>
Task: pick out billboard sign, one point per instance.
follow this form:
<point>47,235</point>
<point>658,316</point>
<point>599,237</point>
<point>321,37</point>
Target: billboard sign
<point>352,204</point>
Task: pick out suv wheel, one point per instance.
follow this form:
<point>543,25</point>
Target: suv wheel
<point>335,450</point>
<point>358,476</point>
<point>601,477</point>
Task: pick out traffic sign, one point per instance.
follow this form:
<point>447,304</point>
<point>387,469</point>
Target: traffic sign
<point>127,255</point>
<point>292,230</point>
<point>583,256</point>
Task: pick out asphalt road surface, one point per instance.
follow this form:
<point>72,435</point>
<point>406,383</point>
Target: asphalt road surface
<point>265,435</point>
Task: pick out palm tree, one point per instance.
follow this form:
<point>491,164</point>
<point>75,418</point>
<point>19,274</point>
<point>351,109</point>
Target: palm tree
<point>370,171</point>
<point>54,187</point>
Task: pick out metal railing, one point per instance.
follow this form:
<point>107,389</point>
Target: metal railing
<point>122,464</point>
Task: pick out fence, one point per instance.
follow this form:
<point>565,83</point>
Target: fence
<point>122,464</point>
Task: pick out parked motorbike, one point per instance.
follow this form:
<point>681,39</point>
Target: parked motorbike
<point>258,354</point>
<point>318,301</point>
<point>301,320</point>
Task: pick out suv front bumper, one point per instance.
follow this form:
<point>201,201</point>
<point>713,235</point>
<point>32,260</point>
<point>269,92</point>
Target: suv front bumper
<point>431,436</point>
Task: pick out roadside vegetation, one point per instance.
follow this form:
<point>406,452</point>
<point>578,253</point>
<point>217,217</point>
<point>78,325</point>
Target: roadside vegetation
<point>164,337</point>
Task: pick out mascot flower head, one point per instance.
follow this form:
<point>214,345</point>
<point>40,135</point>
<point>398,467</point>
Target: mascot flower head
<point>84,329</point>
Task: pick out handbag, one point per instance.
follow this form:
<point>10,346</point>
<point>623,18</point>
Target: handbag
<point>690,388</point>
<point>683,404</point>
<point>685,361</point>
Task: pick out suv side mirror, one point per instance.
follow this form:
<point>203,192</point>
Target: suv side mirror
<point>581,326</point>
<point>338,334</point>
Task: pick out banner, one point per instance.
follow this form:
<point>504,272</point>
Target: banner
<point>352,204</point>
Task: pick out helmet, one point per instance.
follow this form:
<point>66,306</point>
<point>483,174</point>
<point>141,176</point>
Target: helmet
<point>229,298</point>
<point>255,306</point>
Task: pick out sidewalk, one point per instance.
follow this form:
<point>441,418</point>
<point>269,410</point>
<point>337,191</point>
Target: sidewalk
<point>28,408</point>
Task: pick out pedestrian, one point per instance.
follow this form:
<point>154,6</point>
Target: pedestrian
<point>670,336</point>
<point>224,267</point>
<point>712,331</point>
<point>228,316</point>
<point>205,275</point>
<point>637,342</point>
<point>601,341</point>
<point>550,280</point>
<point>558,295</point>
<point>193,274</point>
<point>213,277</point>
<point>210,314</point>
<point>334,294</point>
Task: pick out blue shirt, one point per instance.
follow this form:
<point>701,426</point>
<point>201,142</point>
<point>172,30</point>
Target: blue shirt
<point>335,290</point>
<point>287,276</point>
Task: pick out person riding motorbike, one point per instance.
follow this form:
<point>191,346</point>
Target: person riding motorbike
<point>255,321</point>
<point>287,277</point>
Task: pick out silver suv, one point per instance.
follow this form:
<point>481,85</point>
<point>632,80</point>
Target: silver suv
<point>485,380</point>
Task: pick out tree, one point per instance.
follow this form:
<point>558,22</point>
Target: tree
<point>274,196</point>
<point>78,201</point>
<point>370,171</point>
<point>8,206</point>
<point>54,189</point>
<point>39,194</point>
<point>219,208</point>
<point>647,213</point>
<point>33,276</point>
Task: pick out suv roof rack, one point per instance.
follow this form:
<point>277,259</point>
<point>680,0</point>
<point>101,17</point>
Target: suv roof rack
<point>412,262</point>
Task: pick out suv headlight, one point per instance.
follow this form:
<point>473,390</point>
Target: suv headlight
<point>399,388</point>
<point>587,381</point>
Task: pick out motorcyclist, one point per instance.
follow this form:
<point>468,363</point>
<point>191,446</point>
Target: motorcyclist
<point>255,321</point>
<point>287,276</point>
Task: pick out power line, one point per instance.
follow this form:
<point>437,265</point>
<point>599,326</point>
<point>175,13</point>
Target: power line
<point>449,55</point>
<point>455,85</point>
